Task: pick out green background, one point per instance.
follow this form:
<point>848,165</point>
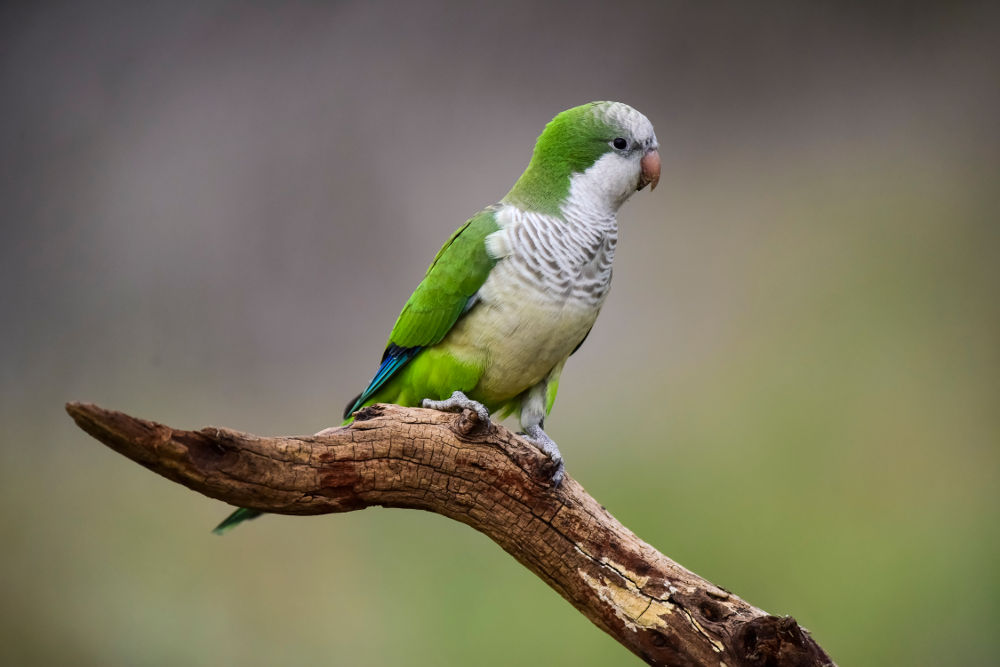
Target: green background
<point>213,213</point>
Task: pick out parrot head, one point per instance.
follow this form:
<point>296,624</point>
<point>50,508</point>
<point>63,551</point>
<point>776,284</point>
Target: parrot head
<point>595,155</point>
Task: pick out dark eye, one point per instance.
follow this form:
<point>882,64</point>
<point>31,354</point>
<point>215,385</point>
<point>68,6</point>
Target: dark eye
<point>619,143</point>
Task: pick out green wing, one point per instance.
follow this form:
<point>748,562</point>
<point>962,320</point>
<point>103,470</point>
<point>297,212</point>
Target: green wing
<point>456,274</point>
<point>458,271</point>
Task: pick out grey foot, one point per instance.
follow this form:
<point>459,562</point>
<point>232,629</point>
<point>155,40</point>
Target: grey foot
<point>457,403</point>
<point>538,438</point>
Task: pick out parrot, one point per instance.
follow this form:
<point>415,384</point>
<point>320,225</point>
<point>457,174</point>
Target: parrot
<point>515,290</point>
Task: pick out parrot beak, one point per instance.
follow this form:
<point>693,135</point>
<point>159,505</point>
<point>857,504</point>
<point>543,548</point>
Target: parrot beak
<point>650,164</point>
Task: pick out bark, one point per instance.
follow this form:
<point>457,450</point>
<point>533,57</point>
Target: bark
<point>484,476</point>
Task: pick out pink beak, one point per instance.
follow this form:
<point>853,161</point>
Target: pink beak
<point>650,164</point>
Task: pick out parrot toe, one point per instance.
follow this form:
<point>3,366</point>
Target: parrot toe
<point>539,438</point>
<point>456,403</point>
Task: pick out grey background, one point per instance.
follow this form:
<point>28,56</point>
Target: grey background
<point>212,213</point>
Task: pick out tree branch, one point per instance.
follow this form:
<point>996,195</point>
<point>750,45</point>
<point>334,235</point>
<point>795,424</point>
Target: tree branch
<point>486,477</point>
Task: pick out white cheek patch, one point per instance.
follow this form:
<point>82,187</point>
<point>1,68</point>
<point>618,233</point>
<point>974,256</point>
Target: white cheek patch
<point>605,186</point>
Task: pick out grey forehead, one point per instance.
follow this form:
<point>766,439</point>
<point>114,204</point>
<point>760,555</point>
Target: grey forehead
<point>631,120</point>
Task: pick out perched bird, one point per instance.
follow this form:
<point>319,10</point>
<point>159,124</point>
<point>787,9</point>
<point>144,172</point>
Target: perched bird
<point>516,289</point>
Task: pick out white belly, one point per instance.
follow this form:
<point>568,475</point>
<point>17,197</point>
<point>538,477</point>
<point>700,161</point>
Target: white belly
<point>520,332</point>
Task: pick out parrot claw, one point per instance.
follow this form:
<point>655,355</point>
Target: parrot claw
<point>538,437</point>
<point>456,403</point>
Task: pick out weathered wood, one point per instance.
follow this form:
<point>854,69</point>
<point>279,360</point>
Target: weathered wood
<point>486,477</point>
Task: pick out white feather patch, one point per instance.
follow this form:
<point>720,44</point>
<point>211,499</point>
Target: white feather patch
<point>498,244</point>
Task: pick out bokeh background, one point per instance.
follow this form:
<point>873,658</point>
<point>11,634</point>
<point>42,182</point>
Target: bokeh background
<point>212,213</point>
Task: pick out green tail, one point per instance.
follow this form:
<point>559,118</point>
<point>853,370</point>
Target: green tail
<point>236,518</point>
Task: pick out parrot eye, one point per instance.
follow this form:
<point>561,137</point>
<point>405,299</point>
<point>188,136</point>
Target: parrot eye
<point>619,143</point>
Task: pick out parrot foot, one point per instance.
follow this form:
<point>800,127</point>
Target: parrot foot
<point>456,403</point>
<point>538,437</point>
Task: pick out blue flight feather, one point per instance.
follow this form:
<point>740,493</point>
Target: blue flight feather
<point>395,358</point>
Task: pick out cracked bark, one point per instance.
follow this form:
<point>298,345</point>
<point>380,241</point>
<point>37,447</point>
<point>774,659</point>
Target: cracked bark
<point>486,477</point>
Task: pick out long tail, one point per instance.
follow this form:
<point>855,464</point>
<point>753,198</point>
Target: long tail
<point>236,518</point>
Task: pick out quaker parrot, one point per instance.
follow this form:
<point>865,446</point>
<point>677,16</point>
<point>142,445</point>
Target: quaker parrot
<point>516,289</point>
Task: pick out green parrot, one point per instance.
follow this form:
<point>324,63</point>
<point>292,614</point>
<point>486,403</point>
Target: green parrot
<point>516,289</point>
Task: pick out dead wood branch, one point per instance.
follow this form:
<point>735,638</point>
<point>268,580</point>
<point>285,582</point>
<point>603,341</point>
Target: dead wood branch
<point>486,477</point>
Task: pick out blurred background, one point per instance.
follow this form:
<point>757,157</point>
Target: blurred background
<point>212,214</point>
